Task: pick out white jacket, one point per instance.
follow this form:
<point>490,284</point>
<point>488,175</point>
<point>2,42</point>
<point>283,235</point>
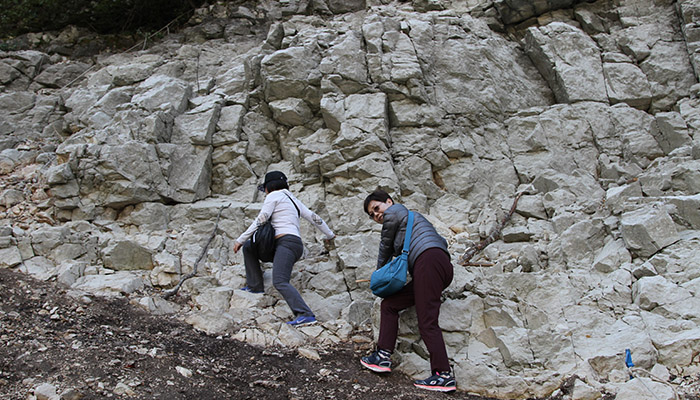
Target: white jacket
<point>285,218</point>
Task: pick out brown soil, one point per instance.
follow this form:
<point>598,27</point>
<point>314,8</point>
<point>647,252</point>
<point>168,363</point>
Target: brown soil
<point>87,349</point>
<point>94,349</point>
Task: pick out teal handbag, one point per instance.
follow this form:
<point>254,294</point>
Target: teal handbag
<point>391,277</point>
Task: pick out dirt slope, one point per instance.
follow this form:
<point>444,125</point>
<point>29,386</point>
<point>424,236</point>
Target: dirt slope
<point>109,348</point>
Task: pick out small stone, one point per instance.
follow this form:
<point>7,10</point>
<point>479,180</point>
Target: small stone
<point>46,391</point>
<point>71,394</point>
<point>123,389</point>
<point>309,353</point>
<point>184,372</point>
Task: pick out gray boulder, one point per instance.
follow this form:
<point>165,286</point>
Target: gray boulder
<point>626,83</point>
<point>126,255</point>
<point>60,75</point>
<point>569,60</point>
<point>647,230</point>
<point>291,111</point>
<point>672,131</point>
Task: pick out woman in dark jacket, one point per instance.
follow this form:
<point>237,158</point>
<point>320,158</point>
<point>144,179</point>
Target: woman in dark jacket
<point>429,265</point>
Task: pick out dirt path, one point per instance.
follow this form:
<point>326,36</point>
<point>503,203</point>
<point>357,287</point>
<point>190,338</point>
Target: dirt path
<point>107,348</point>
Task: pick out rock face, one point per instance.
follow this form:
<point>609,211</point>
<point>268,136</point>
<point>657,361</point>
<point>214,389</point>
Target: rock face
<point>115,171</point>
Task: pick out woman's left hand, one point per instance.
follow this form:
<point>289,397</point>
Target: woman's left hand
<point>237,246</point>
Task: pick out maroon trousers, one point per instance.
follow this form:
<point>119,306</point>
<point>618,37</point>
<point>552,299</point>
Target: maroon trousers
<point>432,273</point>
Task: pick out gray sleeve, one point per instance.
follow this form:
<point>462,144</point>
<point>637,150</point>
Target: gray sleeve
<point>390,228</point>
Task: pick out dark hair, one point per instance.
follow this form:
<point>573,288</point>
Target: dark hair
<point>378,195</point>
<point>274,180</point>
<point>276,185</point>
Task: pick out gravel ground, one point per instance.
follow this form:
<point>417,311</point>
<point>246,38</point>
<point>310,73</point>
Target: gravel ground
<point>108,348</point>
<point>54,343</point>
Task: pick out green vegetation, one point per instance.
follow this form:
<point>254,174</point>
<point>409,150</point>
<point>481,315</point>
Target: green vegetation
<point>101,16</point>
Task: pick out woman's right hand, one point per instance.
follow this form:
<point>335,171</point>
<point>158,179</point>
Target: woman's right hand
<point>237,246</point>
<point>329,244</point>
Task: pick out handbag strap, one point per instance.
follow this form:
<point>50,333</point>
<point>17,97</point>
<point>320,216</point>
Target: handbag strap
<point>409,230</point>
<point>295,204</point>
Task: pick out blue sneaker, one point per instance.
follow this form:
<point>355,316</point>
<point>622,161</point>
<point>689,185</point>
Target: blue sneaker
<point>379,361</point>
<point>248,289</point>
<point>440,382</point>
<point>302,320</point>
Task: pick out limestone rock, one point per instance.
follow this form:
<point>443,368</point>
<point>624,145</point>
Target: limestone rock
<point>583,391</point>
<point>109,285</point>
<point>648,230</point>
<point>669,81</point>
<point>10,257</point>
<point>677,348</point>
<point>516,11</point>
<point>215,299</point>
<point>291,111</point>
<point>590,109</point>
<point>643,388</point>
<point>672,133</point>
<point>211,322</point>
<point>687,209</point>
<point>654,291</point>
<point>46,391</point>
<point>626,83</point>
<point>196,126</point>
<point>57,75</point>
<point>285,74</point>
<point>39,267</point>
<point>615,197</point>
<point>340,6</point>
<point>127,255</point>
<point>569,60</point>
<point>612,256</point>
<point>163,93</point>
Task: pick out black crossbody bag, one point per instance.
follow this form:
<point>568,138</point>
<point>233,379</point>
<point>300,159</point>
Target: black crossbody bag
<point>263,239</point>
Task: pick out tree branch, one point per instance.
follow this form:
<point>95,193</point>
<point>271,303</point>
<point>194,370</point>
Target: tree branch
<point>492,237</point>
<point>174,291</point>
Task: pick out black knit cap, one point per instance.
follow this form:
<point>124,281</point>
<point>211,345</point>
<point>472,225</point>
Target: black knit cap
<point>271,177</point>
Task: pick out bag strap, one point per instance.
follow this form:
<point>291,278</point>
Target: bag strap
<point>409,230</point>
<point>295,204</point>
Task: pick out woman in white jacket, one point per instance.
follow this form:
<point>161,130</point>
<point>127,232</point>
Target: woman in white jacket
<point>285,212</point>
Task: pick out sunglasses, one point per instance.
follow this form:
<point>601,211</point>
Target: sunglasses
<point>261,188</point>
<point>373,212</point>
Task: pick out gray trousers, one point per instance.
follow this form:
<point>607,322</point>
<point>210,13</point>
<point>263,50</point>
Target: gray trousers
<point>288,249</point>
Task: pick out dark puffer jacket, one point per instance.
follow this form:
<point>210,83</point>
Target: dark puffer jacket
<point>424,236</point>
